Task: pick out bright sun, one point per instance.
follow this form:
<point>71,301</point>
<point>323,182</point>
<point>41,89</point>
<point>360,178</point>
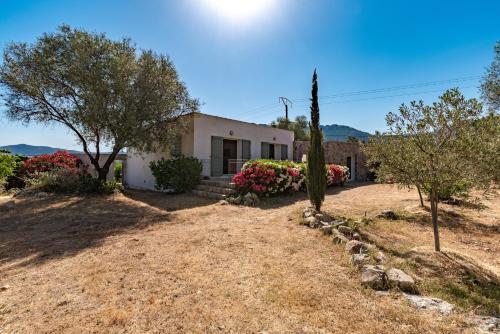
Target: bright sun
<point>240,10</point>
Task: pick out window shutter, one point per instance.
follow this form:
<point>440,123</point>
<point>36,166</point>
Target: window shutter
<point>245,150</point>
<point>264,150</point>
<point>284,152</point>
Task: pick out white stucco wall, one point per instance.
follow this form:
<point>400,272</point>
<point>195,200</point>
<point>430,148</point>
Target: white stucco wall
<point>90,168</point>
<point>196,141</point>
<point>137,174</point>
<point>206,126</point>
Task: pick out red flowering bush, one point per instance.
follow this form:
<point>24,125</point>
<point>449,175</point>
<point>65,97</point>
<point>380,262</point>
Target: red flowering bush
<point>49,162</point>
<point>268,177</point>
<point>336,175</point>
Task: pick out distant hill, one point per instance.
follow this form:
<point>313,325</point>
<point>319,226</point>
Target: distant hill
<point>30,150</point>
<point>342,133</point>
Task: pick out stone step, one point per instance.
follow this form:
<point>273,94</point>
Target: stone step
<point>208,194</point>
<point>218,190</point>
<point>220,184</point>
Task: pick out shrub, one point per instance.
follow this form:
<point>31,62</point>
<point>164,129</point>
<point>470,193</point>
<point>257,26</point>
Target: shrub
<point>70,181</point>
<point>336,175</point>
<point>265,177</point>
<point>7,167</point>
<point>49,162</point>
<point>118,170</point>
<point>178,174</point>
<point>268,177</point>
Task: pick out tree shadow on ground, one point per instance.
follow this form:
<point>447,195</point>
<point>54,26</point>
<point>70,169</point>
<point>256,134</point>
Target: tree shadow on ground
<point>452,220</point>
<point>40,229</point>
<point>168,202</point>
<point>285,200</point>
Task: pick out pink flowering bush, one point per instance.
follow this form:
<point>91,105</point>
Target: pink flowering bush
<point>336,175</point>
<point>268,177</point>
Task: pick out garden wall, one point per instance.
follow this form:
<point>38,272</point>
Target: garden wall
<point>337,152</point>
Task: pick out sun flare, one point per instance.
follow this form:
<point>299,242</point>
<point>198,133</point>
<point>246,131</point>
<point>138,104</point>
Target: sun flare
<point>240,10</point>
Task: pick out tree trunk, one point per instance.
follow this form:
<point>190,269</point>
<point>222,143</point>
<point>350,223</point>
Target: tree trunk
<point>434,213</point>
<point>102,173</point>
<point>420,195</point>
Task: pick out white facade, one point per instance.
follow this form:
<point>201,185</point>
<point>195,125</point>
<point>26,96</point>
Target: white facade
<point>204,133</point>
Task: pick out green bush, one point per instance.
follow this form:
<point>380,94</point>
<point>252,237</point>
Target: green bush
<point>69,181</point>
<point>178,174</point>
<point>118,170</point>
<point>8,165</point>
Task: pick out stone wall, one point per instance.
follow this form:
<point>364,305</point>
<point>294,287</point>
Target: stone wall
<point>337,152</point>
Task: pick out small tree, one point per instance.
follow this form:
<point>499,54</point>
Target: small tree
<point>393,160</point>
<point>104,91</point>
<point>436,147</point>
<point>299,126</point>
<point>316,173</point>
<point>490,87</point>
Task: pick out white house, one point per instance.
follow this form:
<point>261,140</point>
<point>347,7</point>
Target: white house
<point>222,145</point>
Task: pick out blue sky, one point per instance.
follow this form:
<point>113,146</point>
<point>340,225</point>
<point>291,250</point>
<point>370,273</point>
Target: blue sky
<point>239,66</point>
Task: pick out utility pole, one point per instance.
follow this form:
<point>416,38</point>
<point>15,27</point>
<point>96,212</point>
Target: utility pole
<point>286,102</point>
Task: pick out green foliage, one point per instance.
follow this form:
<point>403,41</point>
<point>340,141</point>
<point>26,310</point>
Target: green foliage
<point>316,173</point>
<point>106,92</point>
<point>444,148</point>
<point>490,87</point>
<point>299,126</point>
<point>179,174</point>
<point>68,181</point>
<point>118,170</point>
<point>9,168</point>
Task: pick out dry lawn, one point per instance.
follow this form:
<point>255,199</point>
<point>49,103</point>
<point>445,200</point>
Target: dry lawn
<point>148,262</point>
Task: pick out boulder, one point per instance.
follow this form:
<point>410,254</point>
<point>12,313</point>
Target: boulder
<point>400,279</point>
<point>427,303</point>
<point>327,229</point>
<point>389,214</point>
<point>485,324</point>
<point>311,221</point>
<point>323,217</point>
<point>339,238</point>
<point>374,277</point>
<point>345,230</point>
<point>359,260</point>
<point>356,236</point>
<point>337,224</point>
<point>356,247</point>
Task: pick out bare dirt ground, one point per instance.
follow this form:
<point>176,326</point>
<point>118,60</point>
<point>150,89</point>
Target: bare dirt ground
<point>147,262</point>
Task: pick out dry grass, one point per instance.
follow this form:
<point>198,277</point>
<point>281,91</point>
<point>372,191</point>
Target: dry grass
<point>147,262</point>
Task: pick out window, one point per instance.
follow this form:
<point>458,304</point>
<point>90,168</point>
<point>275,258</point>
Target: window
<point>284,152</point>
<point>177,146</point>
<point>264,150</point>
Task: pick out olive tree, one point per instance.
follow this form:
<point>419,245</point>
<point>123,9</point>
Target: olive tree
<point>107,93</point>
<point>438,146</point>
<point>299,126</point>
<point>490,87</point>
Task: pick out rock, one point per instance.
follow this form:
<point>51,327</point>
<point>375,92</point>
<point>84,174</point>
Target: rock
<point>337,224</point>
<point>223,202</point>
<point>389,214</point>
<point>401,280</point>
<point>42,194</point>
<point>339,238</point>
<point>485,324</point>
<point>379,257</point>
<point>323,217</point>
<point>427,303</point>
<point>359,260</point>
<point>354,246</point>
<point>308,214</point>
<point>374,277</point>
<point>310,221</point>
<point>4,287</point>
<point>345,230</point>
<point>236,200</point>
<point>327,229</point>
<point>356,236</point>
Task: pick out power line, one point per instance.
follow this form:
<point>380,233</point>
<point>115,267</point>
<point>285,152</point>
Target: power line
<point>388,89</point>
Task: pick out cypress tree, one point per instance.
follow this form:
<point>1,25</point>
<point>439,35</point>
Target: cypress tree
<point>316,172</point>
